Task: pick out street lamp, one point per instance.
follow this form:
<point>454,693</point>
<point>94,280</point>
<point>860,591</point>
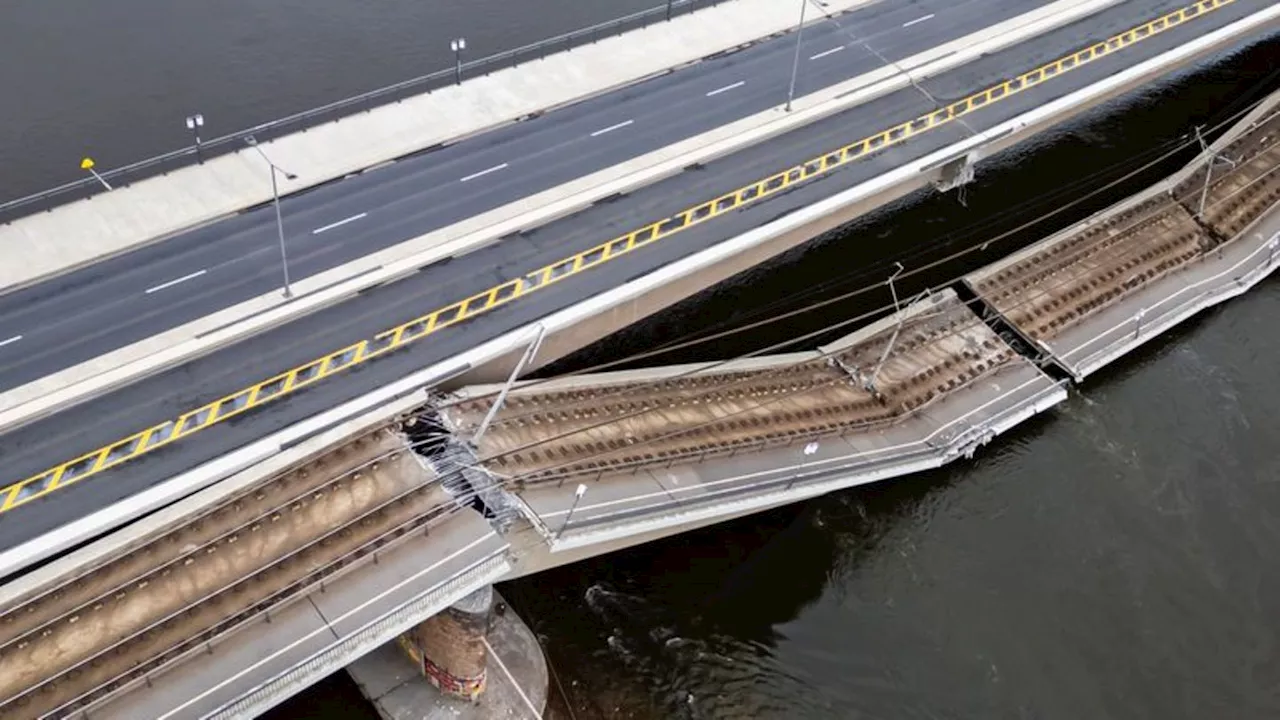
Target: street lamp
<point>87,164</point>
<point>669,9</point>
<point>577,497</point>
<point>194,123</point>
<point>252,142</point>
<point>458,45</point>
<point>795,64</point>
<point>808,451</point>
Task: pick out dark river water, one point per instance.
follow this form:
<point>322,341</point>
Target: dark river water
<point>1115,558</point>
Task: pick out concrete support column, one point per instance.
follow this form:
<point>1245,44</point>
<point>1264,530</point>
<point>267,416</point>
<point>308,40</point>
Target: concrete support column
<point>449,647</point>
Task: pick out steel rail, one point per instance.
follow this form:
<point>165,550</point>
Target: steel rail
<point>1128,224</point>
<point>207,545</point>
<point>290,590</point>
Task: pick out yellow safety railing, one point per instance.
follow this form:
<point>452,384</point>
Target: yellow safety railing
<point>302,376</point>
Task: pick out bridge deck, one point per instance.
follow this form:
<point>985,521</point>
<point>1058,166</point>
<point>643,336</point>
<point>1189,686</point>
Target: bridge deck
<point>250,556</point>
<point>652,443</point>
<point>932,410</point>
<point>139,212</point>
<point>1089,294</point>
<point>309,639</point>
<point>32,451</point>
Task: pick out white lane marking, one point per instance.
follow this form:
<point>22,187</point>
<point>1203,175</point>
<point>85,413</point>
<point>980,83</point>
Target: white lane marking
<point>171,283</point>
<point>727,88</point>
<point>611,128</point>
<point>918,20</point>
<point>340,223</point>
<point>825,53</point>
<point>482,173</point>
<point>511,679</point>
<point>10,341</point>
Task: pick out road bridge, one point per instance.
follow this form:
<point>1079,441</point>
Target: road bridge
<point>546,273</point>
<point>582,465</point>
<point>181,428</point>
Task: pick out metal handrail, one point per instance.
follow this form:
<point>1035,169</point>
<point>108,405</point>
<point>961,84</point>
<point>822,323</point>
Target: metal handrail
<point>166,162</point>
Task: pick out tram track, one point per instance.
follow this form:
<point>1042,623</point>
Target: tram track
<point>1056,287</point>
<point>66,649</point>
<point>549,436</point>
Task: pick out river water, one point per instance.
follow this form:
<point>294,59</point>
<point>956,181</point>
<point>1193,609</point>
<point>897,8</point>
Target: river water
<point>1115,558</point>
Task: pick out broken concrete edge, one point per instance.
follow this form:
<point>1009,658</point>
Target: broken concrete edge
<point>34,400</point>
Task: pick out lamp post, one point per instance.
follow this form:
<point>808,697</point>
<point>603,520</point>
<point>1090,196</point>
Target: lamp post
<point>457,45</point>
<point>808,451</point>
<point>577,497</point>
<point>252,142</point>
<point>194,123</point>
<point>87,164</point>
<point>669,8</point>
<point>795,64</point>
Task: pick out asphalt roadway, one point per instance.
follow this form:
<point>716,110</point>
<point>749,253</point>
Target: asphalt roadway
<point>35,447</point>
<point>80,316</point>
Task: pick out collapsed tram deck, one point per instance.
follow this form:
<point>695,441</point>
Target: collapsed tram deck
<point>910,392</point>
<point>1089,295</point>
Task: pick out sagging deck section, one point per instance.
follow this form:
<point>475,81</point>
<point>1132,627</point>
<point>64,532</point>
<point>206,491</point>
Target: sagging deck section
<point>653,444</point>
<point>1090,294</point>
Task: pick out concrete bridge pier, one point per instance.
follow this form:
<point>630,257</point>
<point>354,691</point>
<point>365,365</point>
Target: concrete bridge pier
<point>449,647</point>
<point>474,660</point>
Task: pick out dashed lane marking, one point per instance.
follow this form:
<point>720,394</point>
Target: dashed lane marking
<point>340,223</point>
<point>611,128</point>
<point>727,88</point>
<point>482,173</point>
<point>171,283</point>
